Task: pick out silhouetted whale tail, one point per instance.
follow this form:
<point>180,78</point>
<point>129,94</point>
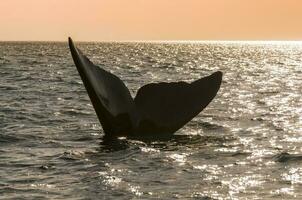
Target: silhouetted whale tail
<point>157,109</point>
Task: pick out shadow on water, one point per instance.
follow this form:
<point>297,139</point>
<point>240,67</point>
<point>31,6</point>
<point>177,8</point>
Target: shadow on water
<point>109,144</point>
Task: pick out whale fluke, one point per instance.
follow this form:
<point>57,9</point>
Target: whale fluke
<point>158,108</point>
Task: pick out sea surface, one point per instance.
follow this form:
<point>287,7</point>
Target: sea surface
<point>247,144</point>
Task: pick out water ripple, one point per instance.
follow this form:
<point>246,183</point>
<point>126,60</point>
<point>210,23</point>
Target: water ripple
<point>245,145</point>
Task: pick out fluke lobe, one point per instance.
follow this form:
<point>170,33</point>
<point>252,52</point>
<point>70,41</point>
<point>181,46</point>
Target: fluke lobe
<point>158,110</point>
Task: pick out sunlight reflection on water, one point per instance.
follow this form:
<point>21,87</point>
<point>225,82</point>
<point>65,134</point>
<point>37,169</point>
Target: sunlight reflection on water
<point>246,144</point>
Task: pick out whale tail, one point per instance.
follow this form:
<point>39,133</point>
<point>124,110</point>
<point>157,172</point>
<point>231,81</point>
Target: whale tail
<point>166,107</point>
<point>158,108</point>
<point>110,97</point>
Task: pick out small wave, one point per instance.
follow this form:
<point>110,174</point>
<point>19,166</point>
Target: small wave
<point>191,141</point>
<point>72,155</point>
<point>46,167</point>
<point>285,157</point>
<point>84,138</point>
<point>211,126</point>
<point>269,92</point>
<point>7,139</point>
<point>9,87</point>
<point>241,154</point>
<point>75,112</point>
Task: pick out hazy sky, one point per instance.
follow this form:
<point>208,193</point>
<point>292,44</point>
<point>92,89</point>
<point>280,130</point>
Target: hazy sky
<point>101,20</point>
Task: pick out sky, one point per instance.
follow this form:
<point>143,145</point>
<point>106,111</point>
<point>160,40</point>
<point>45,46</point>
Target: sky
<point>126,20</point>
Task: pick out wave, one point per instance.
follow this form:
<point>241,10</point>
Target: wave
<point>285,157</point>
<point>7,139</point>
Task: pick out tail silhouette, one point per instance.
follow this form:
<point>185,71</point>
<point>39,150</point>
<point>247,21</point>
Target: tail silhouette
<point>159,109</point>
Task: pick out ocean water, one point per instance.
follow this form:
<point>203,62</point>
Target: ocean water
<point>247,144</point>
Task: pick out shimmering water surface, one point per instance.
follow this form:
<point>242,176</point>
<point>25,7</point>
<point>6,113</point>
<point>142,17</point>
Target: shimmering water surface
<point>247,144</point>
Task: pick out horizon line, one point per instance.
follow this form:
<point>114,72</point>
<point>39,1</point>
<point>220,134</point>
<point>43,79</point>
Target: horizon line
<point>163,41</point>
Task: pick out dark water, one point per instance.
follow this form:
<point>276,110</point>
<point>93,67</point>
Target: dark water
<point>247,144</point>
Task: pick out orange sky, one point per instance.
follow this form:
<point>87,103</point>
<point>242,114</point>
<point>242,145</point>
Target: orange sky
<point>102,20</point>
